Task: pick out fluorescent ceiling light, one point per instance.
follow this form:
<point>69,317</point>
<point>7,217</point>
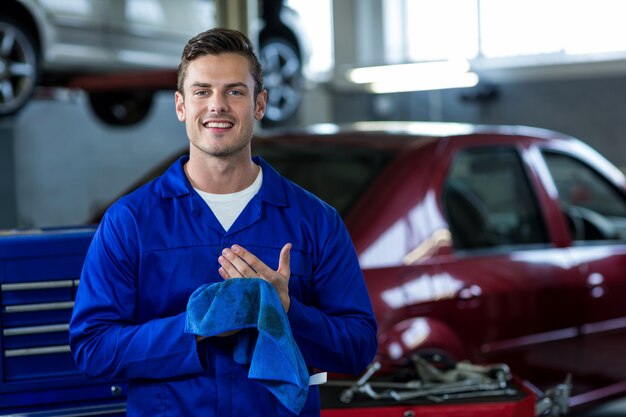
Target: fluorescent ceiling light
<point>414,77</point>
<point>468,79</point>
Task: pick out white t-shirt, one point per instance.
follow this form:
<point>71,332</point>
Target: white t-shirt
<point>227,207</point>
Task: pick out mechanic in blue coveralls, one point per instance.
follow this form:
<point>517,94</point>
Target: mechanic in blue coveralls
<point>214,215</point>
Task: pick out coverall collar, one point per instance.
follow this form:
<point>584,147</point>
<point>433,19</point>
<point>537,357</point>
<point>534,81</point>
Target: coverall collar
<point>175,183</point>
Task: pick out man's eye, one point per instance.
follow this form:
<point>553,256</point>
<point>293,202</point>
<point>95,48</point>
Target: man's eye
<point>200,93</point>
<point>235,93</point>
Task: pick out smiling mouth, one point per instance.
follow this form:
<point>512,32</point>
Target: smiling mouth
<point>218,125</point>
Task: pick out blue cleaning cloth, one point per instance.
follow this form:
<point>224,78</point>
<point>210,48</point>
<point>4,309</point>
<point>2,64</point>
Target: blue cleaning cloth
<point>274,358</point>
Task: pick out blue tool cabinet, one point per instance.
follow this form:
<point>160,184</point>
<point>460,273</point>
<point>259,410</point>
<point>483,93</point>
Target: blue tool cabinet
<point>39,275</point>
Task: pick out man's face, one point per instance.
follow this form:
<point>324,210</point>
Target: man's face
<point>219,107</point>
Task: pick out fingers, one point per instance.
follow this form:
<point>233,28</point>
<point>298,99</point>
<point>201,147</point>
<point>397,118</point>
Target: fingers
<point>237,262</point>
<point>284,261</point>
<point>234,266</point>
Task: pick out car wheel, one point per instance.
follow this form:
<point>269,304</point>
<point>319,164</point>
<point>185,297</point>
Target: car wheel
<point>122,108</point>
<point>282,72</point>
<point>19,66</point>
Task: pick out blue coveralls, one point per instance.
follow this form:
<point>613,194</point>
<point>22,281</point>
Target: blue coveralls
<point>155,246</point>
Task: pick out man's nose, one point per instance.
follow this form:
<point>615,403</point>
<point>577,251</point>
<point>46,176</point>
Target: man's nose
<point>218,104</point>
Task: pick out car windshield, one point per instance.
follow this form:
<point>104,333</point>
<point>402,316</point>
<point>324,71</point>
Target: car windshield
<point>337,174</point>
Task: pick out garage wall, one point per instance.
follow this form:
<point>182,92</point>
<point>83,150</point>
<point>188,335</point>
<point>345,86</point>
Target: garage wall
<point>593,110</point>
<point>8,208</point>
<point>67,164</point>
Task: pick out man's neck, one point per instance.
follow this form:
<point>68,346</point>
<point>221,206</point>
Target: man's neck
<point>221,175</point>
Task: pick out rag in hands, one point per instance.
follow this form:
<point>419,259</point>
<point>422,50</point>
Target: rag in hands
<point>274,358</point>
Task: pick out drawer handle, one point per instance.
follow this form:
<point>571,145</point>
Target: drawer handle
<point>21,331</point>
<point>39,285</point>
<point>24,308</point>
<point>48,350</point>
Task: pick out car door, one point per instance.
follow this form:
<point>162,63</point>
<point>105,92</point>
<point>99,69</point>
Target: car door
<point>521,293</point>
<point>595,208</point>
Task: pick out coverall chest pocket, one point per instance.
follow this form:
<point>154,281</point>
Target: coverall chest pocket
<point>301,279</point>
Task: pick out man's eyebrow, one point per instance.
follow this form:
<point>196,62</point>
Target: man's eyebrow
<point>229,85</point>
<point>199,84</point>
<point>237,84</point>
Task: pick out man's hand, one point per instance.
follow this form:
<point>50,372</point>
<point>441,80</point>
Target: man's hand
<point>237,262</point>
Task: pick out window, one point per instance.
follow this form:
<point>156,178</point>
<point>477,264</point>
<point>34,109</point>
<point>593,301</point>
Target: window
<point>438,30</point>
<point>316,20</point>
<point>426,30</point>
<point>531,27</point>
<point>595,209</point>
<point>489,202</point>
<point>537,29</point>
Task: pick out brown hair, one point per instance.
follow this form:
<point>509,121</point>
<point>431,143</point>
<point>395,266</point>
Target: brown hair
<point>218,41</point>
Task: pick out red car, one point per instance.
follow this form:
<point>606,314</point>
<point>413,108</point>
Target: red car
<point>493,244</point>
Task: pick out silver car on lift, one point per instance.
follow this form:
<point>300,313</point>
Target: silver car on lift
<point>59,42</point>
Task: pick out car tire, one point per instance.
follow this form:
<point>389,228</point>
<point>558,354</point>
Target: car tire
<point>282,71</point>
<point>19,66</point>
<point>123,108</point>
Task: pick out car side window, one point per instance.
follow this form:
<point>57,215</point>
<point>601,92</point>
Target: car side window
<point>339,175</point>
<point>489,202</point>
<point>595,209</point>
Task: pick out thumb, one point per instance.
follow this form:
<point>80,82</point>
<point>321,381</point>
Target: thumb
<point>285,260</point>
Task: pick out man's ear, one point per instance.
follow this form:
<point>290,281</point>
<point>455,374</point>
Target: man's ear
<point>180,106</point>
<point>261,102</point>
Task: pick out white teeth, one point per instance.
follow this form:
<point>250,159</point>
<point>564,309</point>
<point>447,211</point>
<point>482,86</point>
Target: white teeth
<point>218,125</point>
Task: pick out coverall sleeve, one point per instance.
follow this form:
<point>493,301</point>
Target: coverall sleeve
<point>105,338</point>
<point>338,334</point>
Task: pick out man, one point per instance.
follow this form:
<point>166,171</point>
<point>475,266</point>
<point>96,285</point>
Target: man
<point>214,215</point>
